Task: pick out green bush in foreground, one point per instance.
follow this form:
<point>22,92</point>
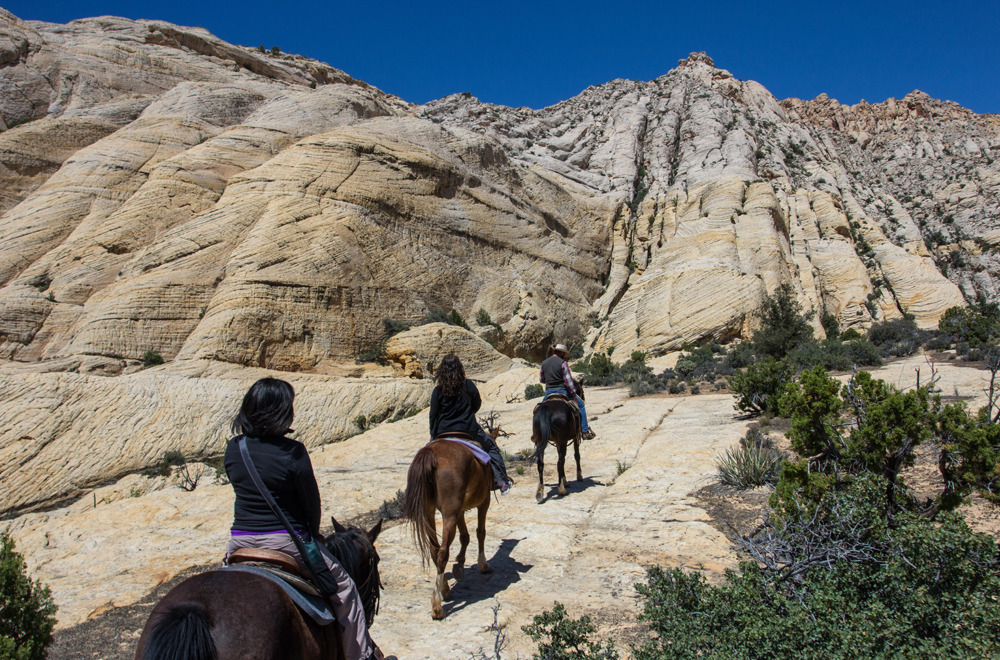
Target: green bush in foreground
<point>838,584</point>
<point>26,608</point>
<point>562,638</point>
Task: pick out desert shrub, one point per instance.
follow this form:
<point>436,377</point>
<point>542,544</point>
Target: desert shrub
<point>27,613</point>
<point>374,353</point>
<point>392,509</point>
<point>973,326</point>
<point>830,324</point>
<point>740,355</point>
<point>151,358</point>
<point>783,325</point>
<point>897,338</point>
<point>533,391</point>
<point>562,638</point>
<point>752,463</point>
<point>849,334</point>
<point>600,369</point>
<point>394,327</point>
<point>835,355</point>
<point>837,584</point>
<point>758,387</point>
<point>441,316</point>
<point>483,317</point>
<point>576,352</point>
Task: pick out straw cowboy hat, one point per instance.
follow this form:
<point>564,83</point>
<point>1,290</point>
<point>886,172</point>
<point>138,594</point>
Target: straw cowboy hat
<point>561,348</point>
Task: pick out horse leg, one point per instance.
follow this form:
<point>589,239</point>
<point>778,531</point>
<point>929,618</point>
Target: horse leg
<point>484,567</point>
<point>458,570</point>
<point>561,466</point>
<point>441,589</point>
<point>576,454</point>
<point>540,493</point>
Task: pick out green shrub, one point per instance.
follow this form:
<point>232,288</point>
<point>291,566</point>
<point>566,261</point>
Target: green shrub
<point>783,325</point>
<point>483,317</point>
<point>151,358</point>
<point>837,584</point>
<point>394,327</point>
<point>533,391</point>
<point>850,334</point>
<point>27,613</point>
<point>758,387</point>
<point>562,638</point>
<point>752,463</point>
<point>392,509</point>
<point>899,337</point>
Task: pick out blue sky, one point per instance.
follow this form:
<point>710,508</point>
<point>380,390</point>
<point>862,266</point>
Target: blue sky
<point>538,53</point>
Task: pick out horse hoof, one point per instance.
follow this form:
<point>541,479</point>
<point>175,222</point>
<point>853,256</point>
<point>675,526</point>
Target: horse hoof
<point>562,490</point>
<point>539,497</point>
<point>485,568</point>
<point>457,571</point>
<point>437,612</point>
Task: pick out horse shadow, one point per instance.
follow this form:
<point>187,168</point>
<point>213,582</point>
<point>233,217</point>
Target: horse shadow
<point>475,586</point>
<point>572,487</point>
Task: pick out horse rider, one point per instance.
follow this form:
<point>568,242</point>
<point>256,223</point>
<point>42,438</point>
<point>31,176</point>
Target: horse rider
<point>454,404</point>
<point>265,420</point>
<point>558,379</point>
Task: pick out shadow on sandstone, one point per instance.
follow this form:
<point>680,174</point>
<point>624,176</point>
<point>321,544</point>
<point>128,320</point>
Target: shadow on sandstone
<point>572,487</point>
<point>475,587</point>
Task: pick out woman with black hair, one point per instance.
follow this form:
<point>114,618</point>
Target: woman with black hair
<point>264,420</point>
<point>454,404</point>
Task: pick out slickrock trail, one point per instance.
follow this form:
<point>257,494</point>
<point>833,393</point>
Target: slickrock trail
<point>586,550</point>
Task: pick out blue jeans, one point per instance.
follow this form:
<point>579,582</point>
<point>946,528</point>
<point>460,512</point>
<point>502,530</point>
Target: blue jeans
<point>583,409</point>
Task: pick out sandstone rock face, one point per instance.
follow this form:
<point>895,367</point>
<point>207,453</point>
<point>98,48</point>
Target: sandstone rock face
<point>168,195</point>
<point>203,200</point>
<point>61,434</point>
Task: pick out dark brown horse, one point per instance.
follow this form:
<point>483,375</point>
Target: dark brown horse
<point>556,421</point>
<point>231,615</point>
<point>444,476</point>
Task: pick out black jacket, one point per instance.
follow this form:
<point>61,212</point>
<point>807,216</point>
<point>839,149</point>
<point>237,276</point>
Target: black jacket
<point>285,469</point>
<point>455,413</point>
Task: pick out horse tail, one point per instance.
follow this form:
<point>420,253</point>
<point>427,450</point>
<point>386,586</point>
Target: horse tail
<point>420,491</point>
<point>182,632</point>
<point>543,431</point>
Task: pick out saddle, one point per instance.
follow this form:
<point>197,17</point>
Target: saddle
<point>458,435</point>
<point>568,400</point>
<point>278,563</point>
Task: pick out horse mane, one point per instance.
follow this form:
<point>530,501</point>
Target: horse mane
<point>344,546</point>
<point>579,388</point>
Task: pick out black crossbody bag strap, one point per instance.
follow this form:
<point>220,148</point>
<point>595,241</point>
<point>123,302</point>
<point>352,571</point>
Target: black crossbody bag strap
<point>245,454</point>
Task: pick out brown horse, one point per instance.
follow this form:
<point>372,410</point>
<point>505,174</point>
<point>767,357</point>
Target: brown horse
<point>231,615</point>
<point>444,476</point>
<point>556,421</point>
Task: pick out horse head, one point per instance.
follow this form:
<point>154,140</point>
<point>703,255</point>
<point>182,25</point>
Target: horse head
<point>578,386</point>
<point>355,550</point>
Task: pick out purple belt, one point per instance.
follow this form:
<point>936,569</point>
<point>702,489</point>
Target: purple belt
<point>240,532</point>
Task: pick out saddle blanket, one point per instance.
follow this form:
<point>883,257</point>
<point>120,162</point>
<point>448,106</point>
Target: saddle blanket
<point>477,451</point>
<point>317,607</point>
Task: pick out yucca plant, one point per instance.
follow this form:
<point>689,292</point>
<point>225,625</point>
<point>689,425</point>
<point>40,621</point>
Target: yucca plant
<point>755,462</point>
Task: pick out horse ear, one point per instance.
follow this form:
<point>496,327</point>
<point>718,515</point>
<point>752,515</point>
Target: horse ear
<point>337,527</point>
<point>375,531</point>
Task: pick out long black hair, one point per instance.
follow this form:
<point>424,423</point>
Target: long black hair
<point>450,375</point>
<point>266,410</point>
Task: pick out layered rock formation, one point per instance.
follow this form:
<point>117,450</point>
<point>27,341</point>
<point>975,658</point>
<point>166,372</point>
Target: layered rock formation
<point>165,194</point>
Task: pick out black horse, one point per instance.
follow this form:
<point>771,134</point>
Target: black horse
<point>556,421</point>
<point>231,615</point>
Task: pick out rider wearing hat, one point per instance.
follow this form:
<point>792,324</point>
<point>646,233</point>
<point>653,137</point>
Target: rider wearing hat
<point>558,379</point>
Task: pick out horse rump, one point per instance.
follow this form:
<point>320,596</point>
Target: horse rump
<point>541,430</point>
<point>420,497</point>
<point>183,631</point>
